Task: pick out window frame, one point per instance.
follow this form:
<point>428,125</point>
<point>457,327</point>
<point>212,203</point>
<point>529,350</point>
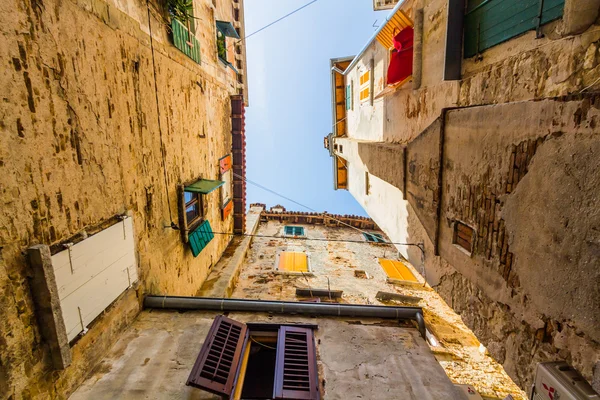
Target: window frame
<point>349,96</point>
<point>365,80</point>
<point>186,227</point>
<point>197,201</point>
<point>458,233</point>
<point>378,237</point>
<point>294,227</point>
<point>234,384</point>
<point>309,271</point>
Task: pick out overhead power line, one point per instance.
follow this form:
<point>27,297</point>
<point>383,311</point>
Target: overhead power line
<point>419,245</point>
<point>314,239</point>
<point>276,21</point>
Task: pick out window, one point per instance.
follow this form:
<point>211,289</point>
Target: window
<point>463,236</point>
<point>294,231</point>
<point>397,270</point>
<point>349,89</point>
<point>292,262</point>
<point>365,86</point>
<point>257,361</point>
<point>491,22</point>
<point>367,185</point>
<point>374,237</point>
<point>194,229</point>
<point>193,209</point>
<point>224,30</point>
<point>226,176</point>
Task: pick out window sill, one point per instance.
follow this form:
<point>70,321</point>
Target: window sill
<point>389,89</point>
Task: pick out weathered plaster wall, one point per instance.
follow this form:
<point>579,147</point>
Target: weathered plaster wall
<point>334,263</point>
<point>385,202</point>
<point>365,121</point>
<point>81,142</point>
<point>525,177</point>
<point>381,359</point>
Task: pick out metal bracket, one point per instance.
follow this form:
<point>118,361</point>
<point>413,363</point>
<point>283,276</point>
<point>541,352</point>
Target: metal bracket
<point>538,25</point>
<point>69,246</point>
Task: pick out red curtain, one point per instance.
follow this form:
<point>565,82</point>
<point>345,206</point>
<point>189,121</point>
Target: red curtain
<point>401,61</point>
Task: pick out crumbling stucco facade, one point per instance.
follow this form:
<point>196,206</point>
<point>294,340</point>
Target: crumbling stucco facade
<point>509,148</point>
<point>342,260</point>
<point>99,119</point>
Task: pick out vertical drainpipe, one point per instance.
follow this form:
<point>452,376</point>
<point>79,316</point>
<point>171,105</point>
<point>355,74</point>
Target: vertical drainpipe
<point>418,50</point>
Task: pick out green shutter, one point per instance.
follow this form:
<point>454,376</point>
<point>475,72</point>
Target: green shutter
<point>491,22</point>
<point>181,37</point>
<point>348,97</point>
<point>200,237</point>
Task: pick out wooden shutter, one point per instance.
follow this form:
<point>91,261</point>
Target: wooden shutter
<point>296,365</point>
<point>488,23</point>
<point>216,367</point>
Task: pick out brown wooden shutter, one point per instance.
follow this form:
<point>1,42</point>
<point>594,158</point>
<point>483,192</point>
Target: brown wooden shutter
<point>296,365</point>
<point>216,367</point>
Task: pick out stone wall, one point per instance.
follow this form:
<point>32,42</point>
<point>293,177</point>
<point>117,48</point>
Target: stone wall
<point>530,288</point>
<point>523,176</point>
<point>82,142</point>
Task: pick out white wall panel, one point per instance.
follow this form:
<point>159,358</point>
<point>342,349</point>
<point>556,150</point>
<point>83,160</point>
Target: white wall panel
<point>93,273</point>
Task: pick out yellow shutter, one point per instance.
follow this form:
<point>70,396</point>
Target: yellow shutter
<point>397,270</point>
<point>293,261</point>
<point>395,24</point>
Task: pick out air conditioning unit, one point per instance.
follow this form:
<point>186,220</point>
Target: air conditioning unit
<point>559,381</point>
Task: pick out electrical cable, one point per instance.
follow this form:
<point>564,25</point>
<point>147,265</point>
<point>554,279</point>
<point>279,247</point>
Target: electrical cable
<point>419,245</point>
<point>316,239</point>
<point>262,344</point>
<point>273,23</point>
<point>162,153</point>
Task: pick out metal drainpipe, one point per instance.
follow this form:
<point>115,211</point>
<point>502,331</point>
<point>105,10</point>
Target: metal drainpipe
<point>418,50</point>
<point>287,307</point>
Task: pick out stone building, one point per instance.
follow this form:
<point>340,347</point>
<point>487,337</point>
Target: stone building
<point>330,274</point>
<point>122,144</point>
<point>478,138</point>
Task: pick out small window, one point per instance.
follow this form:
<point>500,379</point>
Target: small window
<point>367,184</point>
<point>365,86</point>
<point>257,361</point>
<point>374,237</point>
<point>463,236</point>
<point>365,78</point>
<point>194,229</point>
<point>193,208</point>
<point>294,231</point>
<point>397,270</point>
<point>292,262</point>
<point>349,90</point>
<point>224,30</point>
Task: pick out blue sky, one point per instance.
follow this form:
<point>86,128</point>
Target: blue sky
<point>290,102</point>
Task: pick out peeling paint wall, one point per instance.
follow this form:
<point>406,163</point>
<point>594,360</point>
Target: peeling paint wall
<point>81,143</point>
<point>354,268</point>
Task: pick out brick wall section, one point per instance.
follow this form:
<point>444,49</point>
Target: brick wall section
<point>480,206</point>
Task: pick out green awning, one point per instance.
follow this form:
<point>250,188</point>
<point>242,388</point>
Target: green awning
<point>204,186</point>
<point>227,29</point>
